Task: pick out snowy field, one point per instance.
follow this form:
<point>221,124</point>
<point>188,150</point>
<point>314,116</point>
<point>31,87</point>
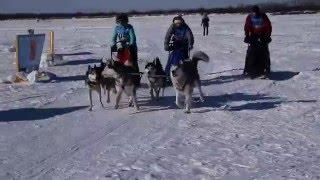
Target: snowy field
<point>246,129</point>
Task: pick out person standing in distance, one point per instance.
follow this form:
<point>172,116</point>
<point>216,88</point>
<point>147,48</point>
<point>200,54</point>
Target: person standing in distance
<point>205,24</point>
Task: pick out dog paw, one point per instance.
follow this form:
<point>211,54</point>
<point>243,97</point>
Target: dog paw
<point>187,111</point>
<point>108,101</point>
<point>130,104</point>
<point>90,109</point>
<point>179,106</point>
<point>116,107</point>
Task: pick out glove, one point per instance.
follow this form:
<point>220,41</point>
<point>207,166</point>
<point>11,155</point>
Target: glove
<point>132,46</point>
<point>114,48</point>
<point>169,47</point>
<point>247,40</point>
<point>266,40</point>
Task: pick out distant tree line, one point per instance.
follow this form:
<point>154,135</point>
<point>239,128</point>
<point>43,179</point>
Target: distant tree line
<point>292,7</point>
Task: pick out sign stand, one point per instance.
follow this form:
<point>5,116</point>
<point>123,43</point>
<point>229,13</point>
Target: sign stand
<point>52,56</point>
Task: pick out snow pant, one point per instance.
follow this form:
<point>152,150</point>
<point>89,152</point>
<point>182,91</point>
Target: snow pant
<point>134,57</point>
<point>205,30</point>
<point>174,59</point>
<point>257,60</point>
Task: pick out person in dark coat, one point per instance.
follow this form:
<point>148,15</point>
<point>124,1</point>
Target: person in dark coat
<point>258,31</point>
<point>178,42</point>
<point>205,24</point>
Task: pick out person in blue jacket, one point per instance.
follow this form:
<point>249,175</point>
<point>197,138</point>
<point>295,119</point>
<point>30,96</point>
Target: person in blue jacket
<point>125,32</point>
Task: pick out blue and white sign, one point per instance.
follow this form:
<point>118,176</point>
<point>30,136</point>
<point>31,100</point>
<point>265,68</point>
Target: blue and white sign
<point>29,50</point>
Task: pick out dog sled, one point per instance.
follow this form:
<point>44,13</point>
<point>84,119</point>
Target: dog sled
<point>123,54</point>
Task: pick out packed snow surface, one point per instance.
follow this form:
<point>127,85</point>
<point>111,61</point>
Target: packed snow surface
<point>246,129</point>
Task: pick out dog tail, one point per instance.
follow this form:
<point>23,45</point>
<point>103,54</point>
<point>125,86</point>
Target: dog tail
<point>200,56</point>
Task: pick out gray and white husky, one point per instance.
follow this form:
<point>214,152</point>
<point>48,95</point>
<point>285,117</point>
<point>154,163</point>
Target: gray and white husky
<point>96,80</point>
<point>185,77</point>
<point>156,77</point>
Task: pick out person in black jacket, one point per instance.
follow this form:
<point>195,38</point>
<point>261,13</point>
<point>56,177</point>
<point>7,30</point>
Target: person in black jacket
<point>205,24</point>
<point>179,41</point>
<point>258,30</point>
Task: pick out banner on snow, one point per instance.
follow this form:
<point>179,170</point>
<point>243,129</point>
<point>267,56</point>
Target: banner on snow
<point>29,50</point>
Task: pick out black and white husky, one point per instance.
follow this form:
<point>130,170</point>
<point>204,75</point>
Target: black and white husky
<point>127,81</point>
<point>96,81</point>
<point>185,77</point>
<point>156,77</point>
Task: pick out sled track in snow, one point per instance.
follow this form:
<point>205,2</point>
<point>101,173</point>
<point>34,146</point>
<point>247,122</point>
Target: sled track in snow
<point>46,165</point>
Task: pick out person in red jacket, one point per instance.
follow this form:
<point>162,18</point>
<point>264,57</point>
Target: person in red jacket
<point>258,31</point>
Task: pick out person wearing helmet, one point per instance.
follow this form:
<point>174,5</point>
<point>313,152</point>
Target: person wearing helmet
<point>124,35</point>
<point>205,24</point>
<point>258,31</point>
<point>178,41</point>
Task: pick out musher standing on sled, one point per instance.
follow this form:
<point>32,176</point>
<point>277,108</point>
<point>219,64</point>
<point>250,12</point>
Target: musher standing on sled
<point>258,31</point>
<point>124,34</point>
<point>179,41</point>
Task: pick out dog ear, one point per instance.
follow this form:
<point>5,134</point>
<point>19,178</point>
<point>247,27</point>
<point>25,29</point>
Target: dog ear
<point>157,61</point>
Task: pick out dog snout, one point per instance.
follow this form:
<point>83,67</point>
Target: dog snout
<point>173,72</point>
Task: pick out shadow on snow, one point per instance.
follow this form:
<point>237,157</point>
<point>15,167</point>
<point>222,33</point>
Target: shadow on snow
<point>57,79</point>
<point>29,114</point>
<point>79,62</point>
<point>274,76</point>
<point>282,75</point>
<point>75,54</point>
<point>222,102</point>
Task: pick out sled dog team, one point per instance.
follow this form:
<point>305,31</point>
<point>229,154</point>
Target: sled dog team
<point>121,74</point>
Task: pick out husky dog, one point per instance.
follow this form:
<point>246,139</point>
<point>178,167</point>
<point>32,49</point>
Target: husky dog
<point>94,83</point>
<point>156,77</point>
<point>127,81</point>
<point>97,80</point>
<point>185,78</point>
<point>108,83</point>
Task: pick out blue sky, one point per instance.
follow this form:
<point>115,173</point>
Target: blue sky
<point>63,6</point>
